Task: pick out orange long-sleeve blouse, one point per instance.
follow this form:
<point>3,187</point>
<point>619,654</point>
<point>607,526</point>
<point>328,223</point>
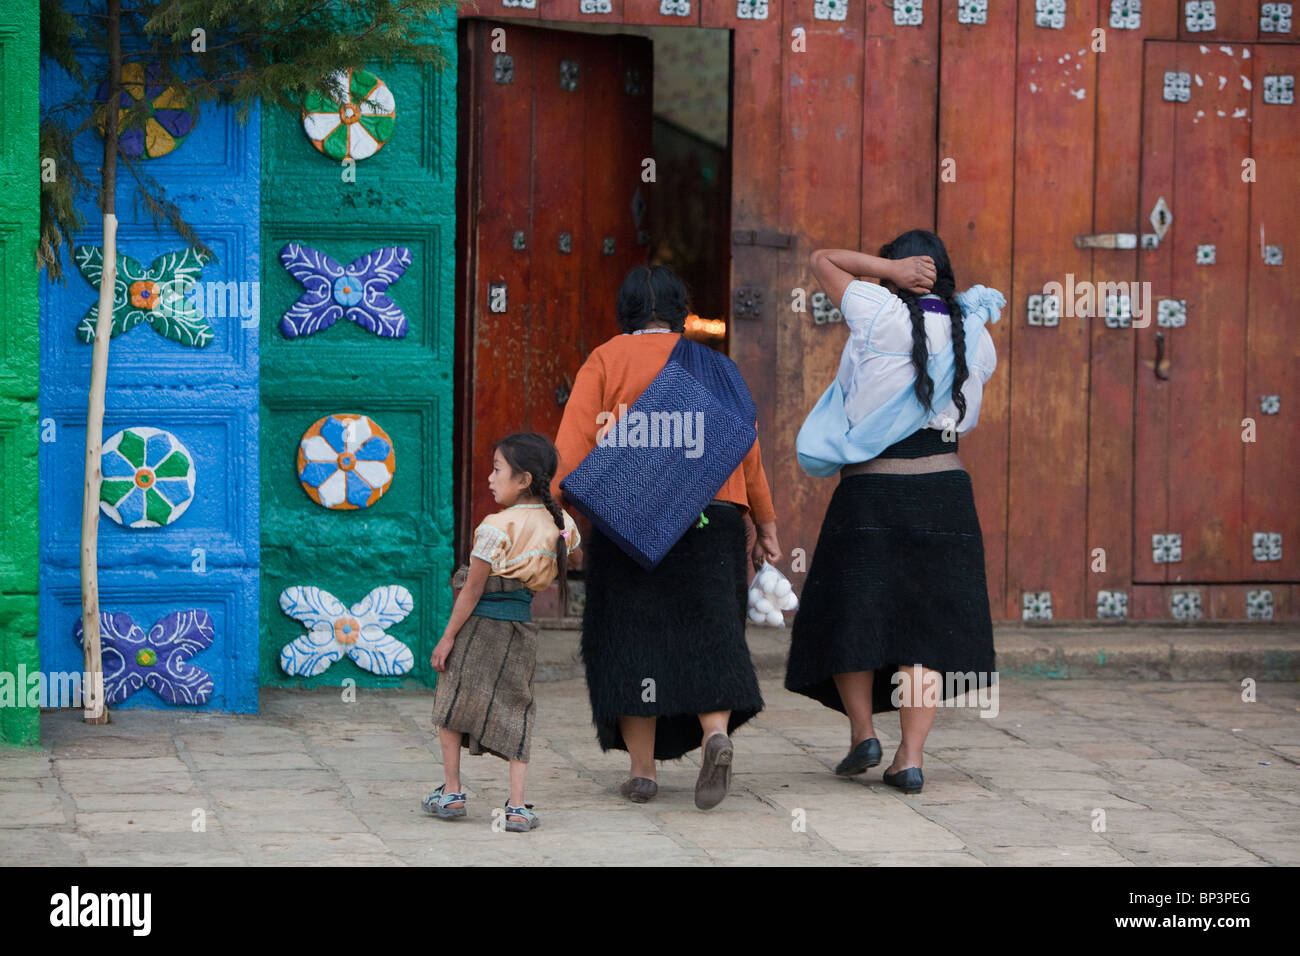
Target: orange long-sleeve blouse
<point>616,373</point>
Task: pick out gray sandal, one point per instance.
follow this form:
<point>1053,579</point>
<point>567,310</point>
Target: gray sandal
<point>530,821</point>
<point>436,804</point>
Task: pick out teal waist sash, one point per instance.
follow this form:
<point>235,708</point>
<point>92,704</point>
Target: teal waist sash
<point>506,605</point>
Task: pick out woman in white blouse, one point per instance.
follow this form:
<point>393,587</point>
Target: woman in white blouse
<point>894,614</point>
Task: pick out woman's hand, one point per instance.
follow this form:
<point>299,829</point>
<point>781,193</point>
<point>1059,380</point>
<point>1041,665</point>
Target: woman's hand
<point>440,653</point>
<point>915,273</point>
<point>766,547</point>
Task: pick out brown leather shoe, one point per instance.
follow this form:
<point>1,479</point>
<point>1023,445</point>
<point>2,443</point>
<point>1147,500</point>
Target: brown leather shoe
<point>639,789</point>
<point>715,772</point>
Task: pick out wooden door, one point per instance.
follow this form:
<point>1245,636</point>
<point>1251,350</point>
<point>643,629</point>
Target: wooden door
<point>1212,506</point>
<point>555,128</point>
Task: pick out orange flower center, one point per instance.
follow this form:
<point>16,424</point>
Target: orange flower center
<point>144,294</point>
<point>347,461</point>
<point>144,478</point>
<point>347,630</point>
<point>349,113</point>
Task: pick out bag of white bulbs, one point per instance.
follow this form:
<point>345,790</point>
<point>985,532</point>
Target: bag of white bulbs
<point>769,595</point>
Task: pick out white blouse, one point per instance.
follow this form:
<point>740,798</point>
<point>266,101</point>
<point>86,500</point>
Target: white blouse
<point>877,358</point>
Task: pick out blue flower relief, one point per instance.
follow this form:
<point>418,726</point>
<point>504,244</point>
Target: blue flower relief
<point>357,291</point>
<point>158,660</point>
<point>346,462</point>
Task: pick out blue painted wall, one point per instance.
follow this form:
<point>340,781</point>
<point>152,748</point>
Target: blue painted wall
<point>208,398</point>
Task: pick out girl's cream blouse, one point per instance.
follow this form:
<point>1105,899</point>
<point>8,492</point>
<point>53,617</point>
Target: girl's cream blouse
<point>519,542</point>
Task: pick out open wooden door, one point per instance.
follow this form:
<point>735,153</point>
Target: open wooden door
<point>554,127</point>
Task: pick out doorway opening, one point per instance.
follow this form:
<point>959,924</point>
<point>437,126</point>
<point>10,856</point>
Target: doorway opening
<point>584,150</point>
<point>689,203</point>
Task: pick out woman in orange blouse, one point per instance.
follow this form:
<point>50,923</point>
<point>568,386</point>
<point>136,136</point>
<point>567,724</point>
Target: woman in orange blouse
<point>668,669</point>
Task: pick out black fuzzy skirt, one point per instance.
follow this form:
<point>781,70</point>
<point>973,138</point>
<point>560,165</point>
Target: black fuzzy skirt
<point>897,579</point>
<point>669,643</point>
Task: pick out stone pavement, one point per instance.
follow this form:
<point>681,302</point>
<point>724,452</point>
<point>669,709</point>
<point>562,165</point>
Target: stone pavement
<point>1184,773</point>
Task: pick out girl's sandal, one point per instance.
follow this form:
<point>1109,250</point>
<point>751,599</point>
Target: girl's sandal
<point>437,804</point>
<point>529,822</point>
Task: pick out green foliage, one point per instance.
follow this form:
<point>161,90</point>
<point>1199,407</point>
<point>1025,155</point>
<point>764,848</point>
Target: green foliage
<point>230,52</point>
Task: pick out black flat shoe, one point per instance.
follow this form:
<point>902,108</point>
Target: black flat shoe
<point>639,789</point>
<point>908,780</point>
<point>862,757</point>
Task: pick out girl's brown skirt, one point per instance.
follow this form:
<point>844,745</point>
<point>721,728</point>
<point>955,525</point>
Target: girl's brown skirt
<point>486,692</point>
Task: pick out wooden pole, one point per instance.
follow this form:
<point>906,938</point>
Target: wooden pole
<point>93,684</point>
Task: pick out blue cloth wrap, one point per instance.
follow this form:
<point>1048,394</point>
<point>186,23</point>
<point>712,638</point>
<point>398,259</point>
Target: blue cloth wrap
<point>827,442</point>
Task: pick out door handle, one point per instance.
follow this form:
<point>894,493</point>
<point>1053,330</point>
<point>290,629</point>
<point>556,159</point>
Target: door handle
<point>1161,368</point>
<point>1107,240</point>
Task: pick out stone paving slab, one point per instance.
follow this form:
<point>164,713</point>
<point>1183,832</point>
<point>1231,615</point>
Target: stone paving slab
<point>1105,772</point>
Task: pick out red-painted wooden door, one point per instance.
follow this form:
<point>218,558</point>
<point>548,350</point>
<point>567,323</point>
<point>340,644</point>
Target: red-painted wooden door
<point>1218,364</point>
<point>555,126</point>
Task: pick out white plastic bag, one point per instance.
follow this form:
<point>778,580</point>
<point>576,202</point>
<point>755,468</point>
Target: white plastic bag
<point>769,596</point>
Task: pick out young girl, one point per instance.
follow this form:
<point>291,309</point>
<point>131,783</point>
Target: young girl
<point>486,658</point>
<point>896,593</point>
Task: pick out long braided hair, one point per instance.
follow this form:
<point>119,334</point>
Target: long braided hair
<point>919,242</point>
<point>534,453</point>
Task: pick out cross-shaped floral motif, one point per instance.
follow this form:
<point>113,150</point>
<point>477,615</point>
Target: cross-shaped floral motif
<point>334,630</point>
<point>357,291</point>
<point>159,660</point>
<point>156,295</point>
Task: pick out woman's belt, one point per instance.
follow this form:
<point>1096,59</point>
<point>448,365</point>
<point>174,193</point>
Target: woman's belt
<point>904,466</point>
<point>514,605</point>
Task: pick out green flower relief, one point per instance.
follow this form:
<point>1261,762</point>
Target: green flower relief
<point>157,295</point>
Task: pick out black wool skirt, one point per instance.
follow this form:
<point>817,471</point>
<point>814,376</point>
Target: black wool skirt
<point>897,580</point>
<point>669,643</point>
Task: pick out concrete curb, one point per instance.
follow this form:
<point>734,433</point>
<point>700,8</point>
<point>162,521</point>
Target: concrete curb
<point>1177,652</point>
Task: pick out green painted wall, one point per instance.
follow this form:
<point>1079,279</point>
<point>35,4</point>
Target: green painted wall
<point>403,195</point>
<point>19,357</point>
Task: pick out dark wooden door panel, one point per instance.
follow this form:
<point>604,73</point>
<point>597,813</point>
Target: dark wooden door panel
<point>502,198</point>
<point>1053,201</point>
<point>1199,144</point>
<point>1272,465</point>
<point>557,162</point>
<point>1152,395</point>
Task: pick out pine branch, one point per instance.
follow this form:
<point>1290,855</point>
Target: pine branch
<point>275,52</point>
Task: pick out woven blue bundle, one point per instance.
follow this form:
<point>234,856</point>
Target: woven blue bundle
<point>698,425</point>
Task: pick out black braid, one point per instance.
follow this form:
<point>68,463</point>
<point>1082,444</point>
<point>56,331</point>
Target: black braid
<point>960,371</point>
<point>542,488</point>
<point>924,385</point>
<point>917,242</point>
